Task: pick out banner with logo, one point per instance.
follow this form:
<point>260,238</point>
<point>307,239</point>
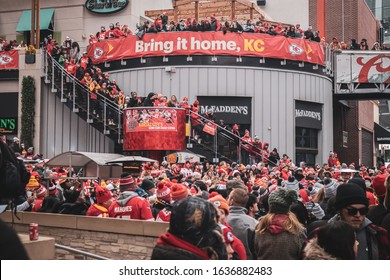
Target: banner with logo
<point>308,114</point>
<point>153,119</point>
<point>207,43</point>
<point>230,109</point>
<point>9,60</point>
<point>367,67</point>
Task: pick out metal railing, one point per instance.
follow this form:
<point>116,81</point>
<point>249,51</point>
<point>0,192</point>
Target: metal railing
<point>231,137</point>
<point>71,90</point>
<point>80,252</point>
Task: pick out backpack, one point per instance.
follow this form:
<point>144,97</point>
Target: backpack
<point>13,174</point>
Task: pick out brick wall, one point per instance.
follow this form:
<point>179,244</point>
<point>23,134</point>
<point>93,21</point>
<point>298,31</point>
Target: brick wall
<point>359,22</point>
<point>111,238</point>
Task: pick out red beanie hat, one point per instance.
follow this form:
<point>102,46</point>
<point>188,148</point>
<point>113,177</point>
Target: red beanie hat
<point>102,194</point>
<point>127,182</point>
<point>41,192</point>
<point>218,201</point>
<point>163,192</point>
<point>179,192</point>
<point>378,184</point>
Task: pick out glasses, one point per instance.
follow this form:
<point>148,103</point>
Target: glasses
<point>353,211</point>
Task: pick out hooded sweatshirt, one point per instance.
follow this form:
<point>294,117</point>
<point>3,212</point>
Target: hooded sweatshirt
<point>130,206</point>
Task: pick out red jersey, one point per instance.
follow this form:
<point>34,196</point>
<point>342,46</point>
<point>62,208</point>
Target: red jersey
<point>84,62</point>
<point>97,210</point>
<point>130,207</point>
<point>37,205</point>
<point>71,68</point>
<point>101,36</point>
<point>164,216</point>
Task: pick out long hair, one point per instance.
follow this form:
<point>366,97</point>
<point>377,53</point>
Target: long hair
<point>320,196</point>
<point>290,225</point>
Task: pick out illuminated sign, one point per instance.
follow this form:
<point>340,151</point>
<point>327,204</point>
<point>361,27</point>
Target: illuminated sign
<point>8,125</point>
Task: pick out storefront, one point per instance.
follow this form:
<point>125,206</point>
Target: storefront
<point>308,123</point>
<point>9,114</point>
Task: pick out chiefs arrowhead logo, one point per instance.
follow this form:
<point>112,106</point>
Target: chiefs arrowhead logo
<point>5,59</point>
<point>295,49</point>
<point>98,53</point>
<point>132,124</point>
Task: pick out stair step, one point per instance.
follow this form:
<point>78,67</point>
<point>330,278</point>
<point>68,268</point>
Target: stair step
<point>75,110</point>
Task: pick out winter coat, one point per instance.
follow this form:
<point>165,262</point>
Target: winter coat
<point>313,251</point>
<point>374,241</point>
<point>277,244</point>
<point>243,227</point>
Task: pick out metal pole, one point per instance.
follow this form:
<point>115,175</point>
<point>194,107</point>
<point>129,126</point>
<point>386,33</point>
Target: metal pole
<point>52,76</point>
<point>62,85</point>
<point>119,125</point>
<point>32,30</point>
<point>38,28</point>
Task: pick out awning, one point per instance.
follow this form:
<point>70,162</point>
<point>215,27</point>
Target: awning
<point>382,135</point>
<point>46,20</point>
<point>80,159</point>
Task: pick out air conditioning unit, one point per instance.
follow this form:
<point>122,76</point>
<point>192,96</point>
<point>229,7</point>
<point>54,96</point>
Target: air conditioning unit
<point>261,2</point>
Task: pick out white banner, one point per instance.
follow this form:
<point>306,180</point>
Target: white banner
<point>370,67</point>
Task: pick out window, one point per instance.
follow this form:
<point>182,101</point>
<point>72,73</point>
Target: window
<point>306,138</point>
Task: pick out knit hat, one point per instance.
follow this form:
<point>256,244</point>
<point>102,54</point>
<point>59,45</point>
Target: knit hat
<point>291,184</point>
<point>32,183</point>
<point>163,192</point>
<point>52,189</point>
<point>378,185</point>
<point>41,192</point>
<point>227,234</point>
<point>218,201</point>
<point>331,188</point>
<point>179,192</point>
<point>315,209</point>
<point>197,176</point>
<point>348,194</point>
<point>102,194</point>
<point>147,184</point>
<point>126,182</point>
<point>280,200</point>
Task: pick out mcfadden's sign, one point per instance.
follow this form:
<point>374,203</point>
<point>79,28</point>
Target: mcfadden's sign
<point>106,6</point>
<point>8,125</point>
<point>308,114</point>
<point>230,109</point>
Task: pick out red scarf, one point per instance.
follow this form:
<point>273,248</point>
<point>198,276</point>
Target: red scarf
<point>169,239</point>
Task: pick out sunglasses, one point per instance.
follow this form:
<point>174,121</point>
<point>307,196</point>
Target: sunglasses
<point>353,211</point>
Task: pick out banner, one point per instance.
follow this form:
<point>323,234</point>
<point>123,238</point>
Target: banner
<point>153,119</point>
<point>154,129</point>
<point>207,43</point>
<point>230,109</point>
<point>9,60</point>
<point>369,67</point>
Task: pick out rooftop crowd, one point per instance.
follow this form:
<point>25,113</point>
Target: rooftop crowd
<point>233,211</point>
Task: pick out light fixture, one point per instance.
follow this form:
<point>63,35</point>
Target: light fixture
<point>189,58</point>
<point>239,59</point>
<point>165,59</point>
<point>143,60</point>
<point>283,62</point>
<point>262,60</point>
<point>123,62</point>
<point>315,67</point>
<point>214,58</point>
<point>301,64</point>
<point>106,64</point>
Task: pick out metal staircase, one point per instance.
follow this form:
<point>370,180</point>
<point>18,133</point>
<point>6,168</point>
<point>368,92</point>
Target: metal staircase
<point>76,97</point>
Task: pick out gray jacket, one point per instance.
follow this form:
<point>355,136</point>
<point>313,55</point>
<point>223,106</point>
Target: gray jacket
<point>243,227</point>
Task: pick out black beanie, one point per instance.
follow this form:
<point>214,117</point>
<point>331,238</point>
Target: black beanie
<point>358,181</point>
<point>147,184</point>
<point>348,194</point>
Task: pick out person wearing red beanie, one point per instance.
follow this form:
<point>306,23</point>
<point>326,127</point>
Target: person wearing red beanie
<point>40,194</point>
<point>162,208</point>
<point>178,192</point>
<point>377,213</point>
<point>221,204</point>
<point>104,200</point>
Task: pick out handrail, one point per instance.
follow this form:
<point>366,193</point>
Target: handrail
<point>204,120</point>
<point>77,251</point>
<point>67,74</point>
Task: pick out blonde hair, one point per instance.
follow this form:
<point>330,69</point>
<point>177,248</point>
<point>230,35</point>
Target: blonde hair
<point>290,225</point>
<point>319,196</point>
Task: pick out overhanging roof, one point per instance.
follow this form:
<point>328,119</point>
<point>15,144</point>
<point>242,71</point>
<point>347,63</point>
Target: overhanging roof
<point>131,159</point>
<point>45,22</point>
<point>80,159</point>
<point>381,134</point>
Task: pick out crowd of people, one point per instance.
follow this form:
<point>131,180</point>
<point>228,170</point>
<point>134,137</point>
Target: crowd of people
<point>233,211</point>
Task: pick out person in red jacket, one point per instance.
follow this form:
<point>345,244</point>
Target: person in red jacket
<point>129,205</point>
<point>41,194</point>
<point>104,199</point>
<point>101,36</point>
